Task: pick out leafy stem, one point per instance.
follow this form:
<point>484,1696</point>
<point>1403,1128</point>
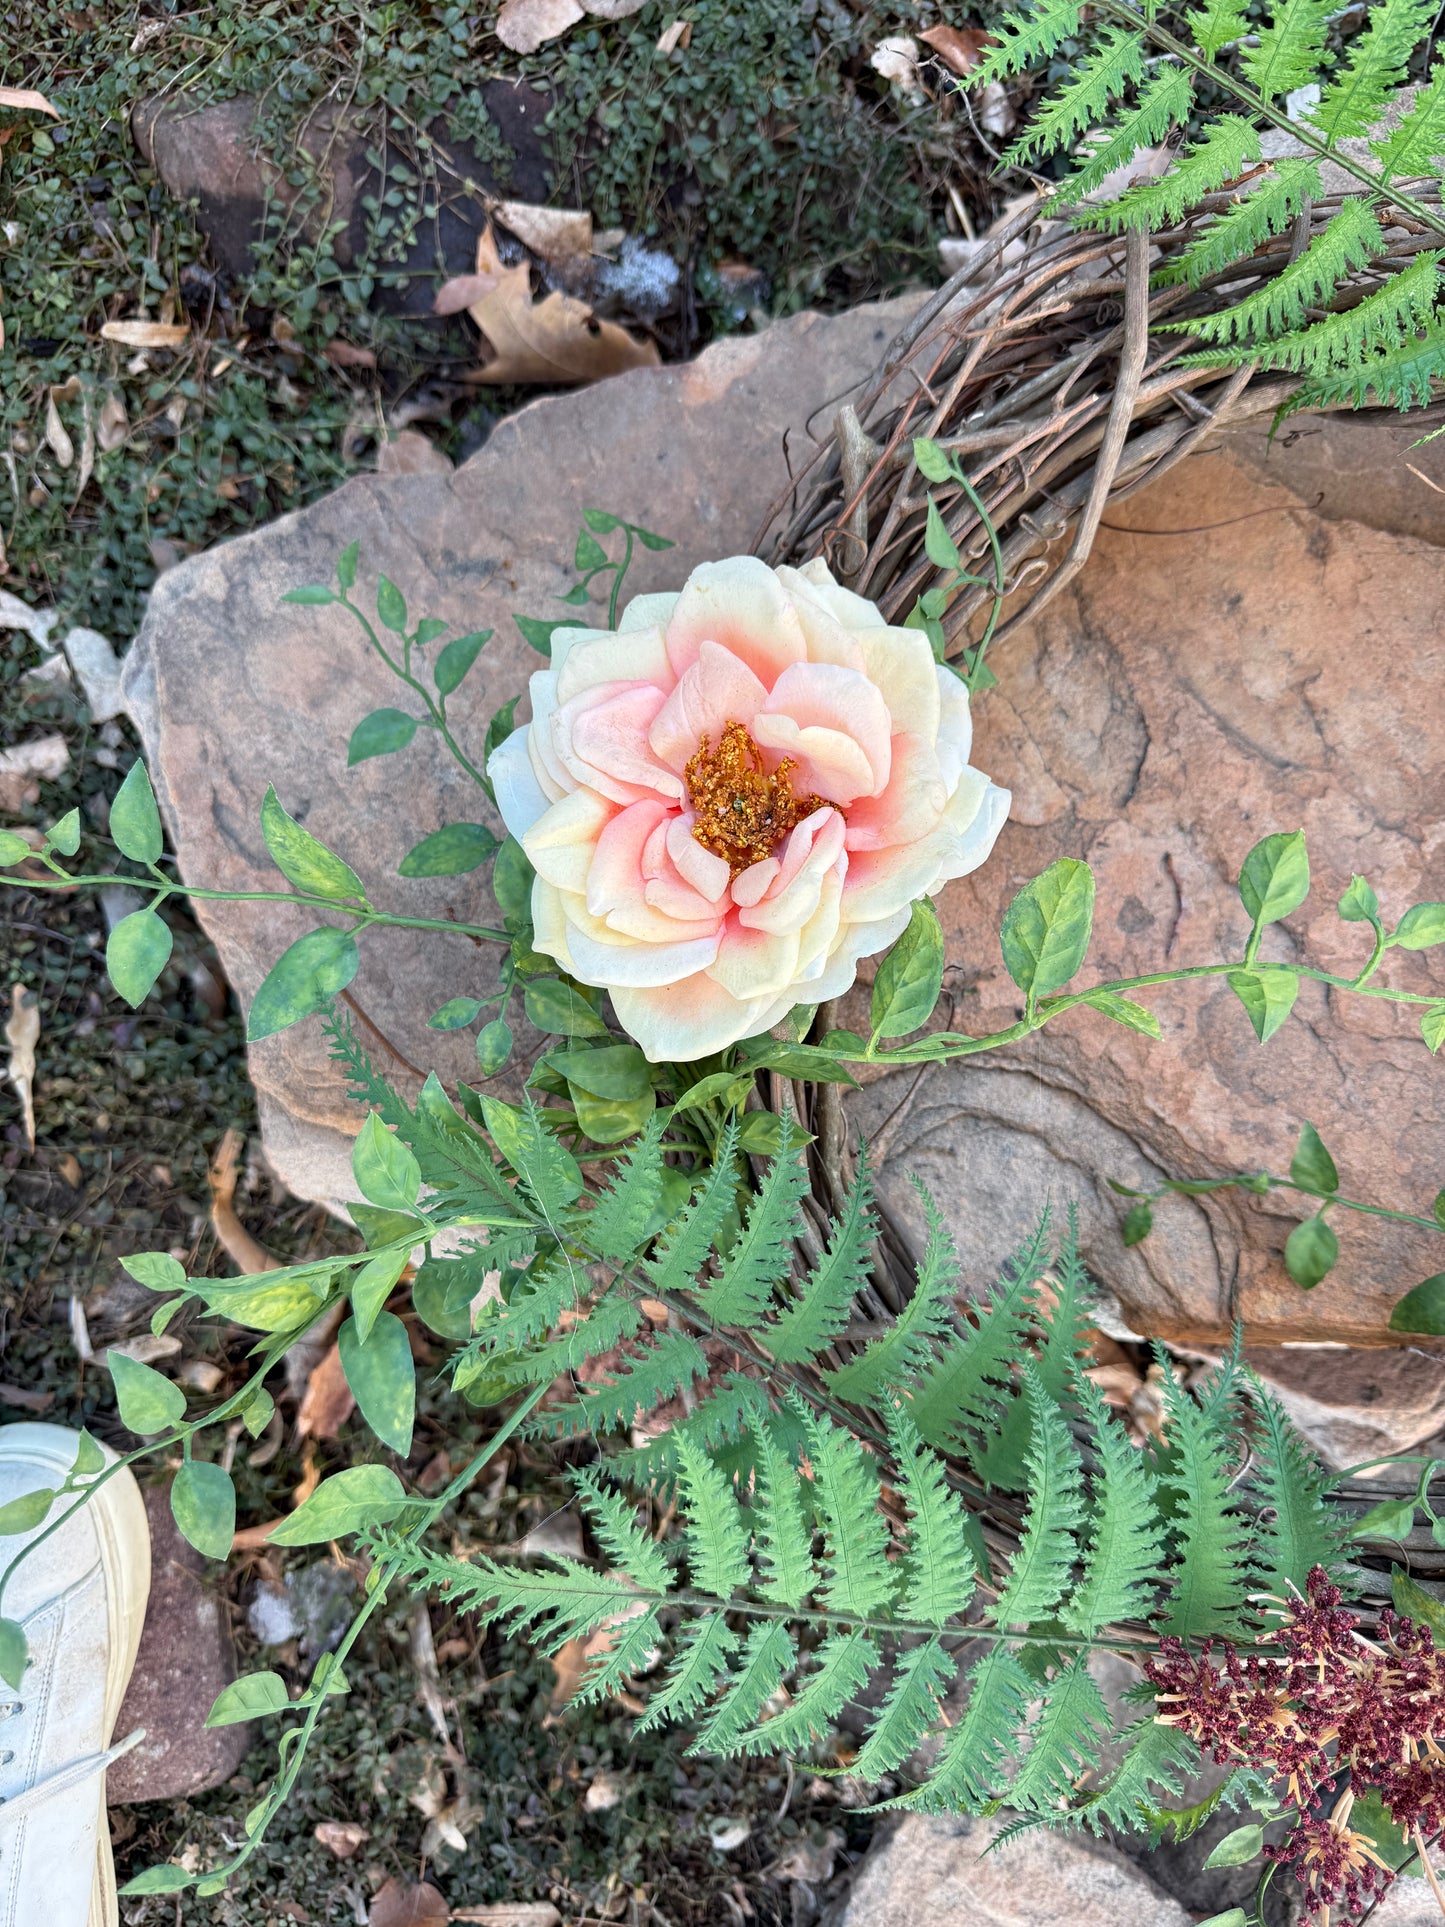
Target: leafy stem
<point>435,706</point>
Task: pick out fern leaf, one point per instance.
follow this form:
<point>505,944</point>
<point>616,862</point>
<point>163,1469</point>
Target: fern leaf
<point>910,1710</point>
<point>958,1398</point>
<point>1047,1546</point>
<point>1289,49</point>
<point>972,1762</point>
<point>1211,1535</point>
<point>1159,1761</point>
<point>1375,66</point>
<point>1348,242</point>
<point>717,1541</point>
<point>784,1535</point>
<point>891,1361</point>
<point>690,1239</point>
<point>826,1303</point>
<point>1165,101</point>
<point>633,1649</point>
<point>553,1605</point>
<point>549,1287</point>
<point>1063,1740</point>
<point>1126,1535</point>
<point>614,1521</point>
<point>762,1253</point>
<point>609,1321</point>
<point>1083,98</point>
<point>1266,209</point>
<point>1414,146</point>
<point>617,1224</point>
<point>1298,1531</point>
<point>766,1656</point>
<point>1003,1458</point>
<point>1024,40</point>
<point>938,1573</point>
<point>1386,319</point>
<point>1218,24</point>
<point>526,1139</point>
<point>845,1662</point>
<point>845,1486</point>
<point>705,1648</point>
<point>671,1361</point>
<point>1402,377</point>
<point>1221,154</point>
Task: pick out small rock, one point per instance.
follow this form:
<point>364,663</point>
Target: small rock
<point>727,1835</point>
<point>604,1793</point>
<point>98,671</point>
<point>559,1536</point>
<point>37,623</point>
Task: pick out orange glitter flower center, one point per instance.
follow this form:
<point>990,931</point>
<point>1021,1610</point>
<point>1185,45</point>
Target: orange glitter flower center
<point>743,813</point>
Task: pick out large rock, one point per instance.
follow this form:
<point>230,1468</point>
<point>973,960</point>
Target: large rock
<point>937,1870</point>
<point>231,688</point>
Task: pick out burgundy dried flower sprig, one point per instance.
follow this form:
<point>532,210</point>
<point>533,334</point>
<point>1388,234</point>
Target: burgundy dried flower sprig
<point>1334,1712</point>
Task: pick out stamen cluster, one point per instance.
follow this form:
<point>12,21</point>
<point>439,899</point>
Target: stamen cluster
<point>1336,1712</point>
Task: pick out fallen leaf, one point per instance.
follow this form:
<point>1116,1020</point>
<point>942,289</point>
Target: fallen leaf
<point>57,440</point>
<point>996,111</point>
<point>22,1034</point>
<point>521,1913</point>
<point>44,756</point>
<point>556,340</point>
<point>573,1661</point>
<point>960,48</point>
<point>148,1347</point>
<point>896,58</point>
<point>458,294</point>
<point>524,25</point>
<point>341,1837</point>
<point>147,334</point>
<point>28,1401</point>
<point>69,1169</point>
<point>239,1246</point>
<point>329,1400</point>
<point>346,354</point>
<point>556,233</point>
<point>678,35</point>
<point>26,100</point>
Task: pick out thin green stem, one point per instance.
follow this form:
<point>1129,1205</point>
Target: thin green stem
<point>622,568</point>
<point>1381,945</point>
<point>436,711</point>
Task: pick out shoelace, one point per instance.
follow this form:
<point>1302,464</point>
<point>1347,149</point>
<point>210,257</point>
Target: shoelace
<point>68,1776</point>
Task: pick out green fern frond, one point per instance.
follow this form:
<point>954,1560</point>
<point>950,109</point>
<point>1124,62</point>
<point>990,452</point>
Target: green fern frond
<point>845,1487</point>
<point>1289,49</point>
<point>670,1362</point>
<point>1386,319</point>
<point>1160,1761</point>
<point>1266,209</point>
<point>973,1761</point>
<point>783,1532</point>
<point>1376,65</point>
<point>544,1167</point>
<point>719,1420</point>
<point>1222,153</point>
<point>846,1662</point>
<point>1417,143</point>
<point>687,1243</point>
<point>938,1573</point>
<point>614,1521</point>
<point>717,1540</point>
<point>1296,1531</point>
<point>900,1354</point>
<point>632,1650</point>
<point>549,1287</point>
<point>766,1656</point>
<point>762,1254</point>
<point>1182,1823</point>
<point>1048,1544</point>
<point>1218,24</point>
<point>1125,1552</point>
<point>705,1649</point>
<point>1348,242</point>
<point>826,1304</point>
<point>612,1319</point>
<point>1003,1458</point>
<point>1211,1534</point>
<point>1024,40</point>
<point>908,1713</point>
<point>1114,62</point>
<point>552,1604</point>
<point>1063,1741</point>
<point>617,1224</point>
<point>1163,102</point>
<point>1402,377</point>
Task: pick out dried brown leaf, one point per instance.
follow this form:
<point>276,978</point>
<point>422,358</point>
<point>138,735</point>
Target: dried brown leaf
<point>453,296</point>
<point>678,35</point>
<point>146,334</point>
<point>960,48</point>
<point>112,424</point>
<point>341,1837</point>
<point>407,1903</point>
<point>556,341</point>
<point>245,1253</point>
<point>555,233</point>
<point>525,25</point>
<point>329,1401</point>
<point>520,1913</point>
<point>56,437</point>
<point>22,1034</point>
<point>26,100</point>
<point>347,354</point>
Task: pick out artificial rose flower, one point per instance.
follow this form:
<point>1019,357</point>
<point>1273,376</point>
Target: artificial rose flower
<point>736,795</point>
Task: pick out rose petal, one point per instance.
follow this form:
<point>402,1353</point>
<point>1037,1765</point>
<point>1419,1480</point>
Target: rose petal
<point>520,797</point>
<point>813,849</point>
<point>637,657</point>
<point>601,737</point>
<point>560,843</point>
<point>836,726</point>
<point>708,874</point>
<point>909,808</point>
<point>754,963</point>
<point>900,663</point>
<point>617,882</point>
<point>627,964</point>
<point>852,611</point>
<point>679,1022</point>
<point>740,604</point>
<point>648,612</point>
<point>713,691</point>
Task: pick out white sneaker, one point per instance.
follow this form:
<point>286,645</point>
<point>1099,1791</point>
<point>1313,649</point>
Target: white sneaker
<point>81,1599</point>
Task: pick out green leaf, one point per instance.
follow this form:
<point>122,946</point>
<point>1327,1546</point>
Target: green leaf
<point>512,880</point>
<point>451,851</point>
<point>1413,1602</point>
<point>349,1501</point>
<point>555,1006</point>
<point>1437,1210</point>
<point>301,858</point>
<point>494,1046</point>
<point>1267,995</point>
<point>381,1374</point>
<point>88,1457</point>
<point>1370,1816</point>
<point>933,464</point>
<point>1432,1026</point>
<point>1235,1917</point>
<point>135,822</point>
<point>1046,929</point>
<point>65,835</point>
<point>600,522</point>
<point>499,728</point>
<point>384,1168</point>
<point>938,544</point>
<point>455,1014</point>
<point>589,553</point>
<point>303,980</point>
<point>314,596</point>
<point>346,565</point>
<point>157,1270</point>
<point>1125,1011</point>
<point>251,1697</point>
<point>256,1413</point>
<point>539,633</point>
<point>26,1512</point>
<point>1276,877</point>
<point>373,1285</point>
<point>390,605</point>
<point>167,1879</point>
<point>378,734</point>
<point>1423,1309</point>
<point>136,952</point>
<point>13,849</point>
<point>1359,904</point>
<point>1421,927</point>
<point>148,1402</point>
<point>578,596</point>
<point>910,977</point>
<point>1312,1166</point>
<point>457,658</point>
<point>1237,1849</point>
<point>1138,1222</point>
<point>1310,1252</point>
<point>649,540</point>
<point>428,629</point>
<point>1391,1519</point>
<point>528,1145</point>
<point>13,1652</point>
<point>203,1505</point>
<point>617,1071</point>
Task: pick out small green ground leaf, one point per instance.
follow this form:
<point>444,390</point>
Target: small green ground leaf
<point>136,952</point>
<point>452,851</point>
<point>203,1505</point>
<point>381,1374</point>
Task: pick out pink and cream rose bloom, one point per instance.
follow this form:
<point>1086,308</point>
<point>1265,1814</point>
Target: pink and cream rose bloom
<point>737,794</point>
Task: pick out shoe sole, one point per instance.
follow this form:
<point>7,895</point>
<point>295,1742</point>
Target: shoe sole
<point>123,1540</point>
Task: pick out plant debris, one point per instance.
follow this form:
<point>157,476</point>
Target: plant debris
<point>22,1034</point>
